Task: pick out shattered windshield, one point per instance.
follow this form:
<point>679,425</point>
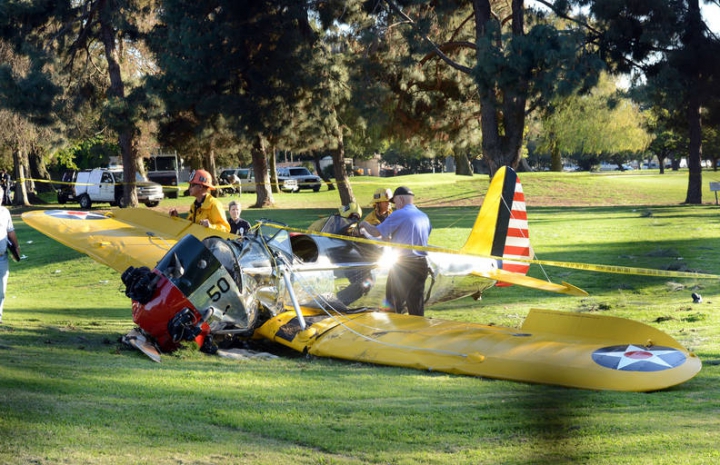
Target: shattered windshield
<point>276,238</point>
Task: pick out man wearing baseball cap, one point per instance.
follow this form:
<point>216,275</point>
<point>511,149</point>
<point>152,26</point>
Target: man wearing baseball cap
<point>206,210</point>
<point>407,225</point>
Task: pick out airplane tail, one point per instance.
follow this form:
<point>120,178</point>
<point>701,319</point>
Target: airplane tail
<point>501,227</point>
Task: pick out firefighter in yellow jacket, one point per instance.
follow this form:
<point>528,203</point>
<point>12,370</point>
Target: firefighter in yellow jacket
<point>381,206</point>
<point>206,210</point>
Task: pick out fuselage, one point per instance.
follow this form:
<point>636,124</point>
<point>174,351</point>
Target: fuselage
<point>228,285</point>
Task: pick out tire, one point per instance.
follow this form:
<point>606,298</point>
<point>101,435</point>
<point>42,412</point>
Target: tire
<point>316,189</point>
<point>62,200</point>
<point>85,202</point>
<point>121,202</point>
<point>152,204</point>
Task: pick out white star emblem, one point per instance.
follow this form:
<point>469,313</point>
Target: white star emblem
<point>75,215</point>
<point>633,354</point>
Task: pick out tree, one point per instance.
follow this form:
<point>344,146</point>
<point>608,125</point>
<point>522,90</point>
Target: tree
<point>25,137</point>
<point>65,40</point>
<point>248,62</point>
<point>711,141</point>
<point>670,44</point>
<point>522,61</point>
<point>594,127</point>
<point>428,110</point>
<point>666,144</point>
<point>516,61</point>
<point>202,143</point>
<point>321,106</point>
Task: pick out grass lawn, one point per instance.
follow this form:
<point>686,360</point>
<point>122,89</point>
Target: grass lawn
<point>70,393</point>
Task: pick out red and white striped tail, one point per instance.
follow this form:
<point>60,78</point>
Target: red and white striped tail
<point>517,240</point>
<point>501,227</point>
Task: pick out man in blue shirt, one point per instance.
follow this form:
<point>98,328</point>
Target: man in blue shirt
<point>406,279</point>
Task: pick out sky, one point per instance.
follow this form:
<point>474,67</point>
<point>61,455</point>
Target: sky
<point>711,13</point>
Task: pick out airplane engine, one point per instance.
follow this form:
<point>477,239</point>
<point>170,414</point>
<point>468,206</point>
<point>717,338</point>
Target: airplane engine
<point>193,291</point>
<point>166,314</point>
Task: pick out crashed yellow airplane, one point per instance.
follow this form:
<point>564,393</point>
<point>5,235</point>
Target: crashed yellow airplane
<point>322,294</point>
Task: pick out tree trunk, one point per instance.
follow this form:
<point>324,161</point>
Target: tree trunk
<point>524,166</point>
<point>694,190</point>
<point>210,164</point>
<point>20,162</point>
<point>462,165</point>
<point>117,92</point>
<point>693,39</point>
<point>272,167</point>
<point>555,155</point>
<point>321,173</point>
<point>502,110</point>
<point>38,170</point>
<point>262,177</point>
<point>341,176</point>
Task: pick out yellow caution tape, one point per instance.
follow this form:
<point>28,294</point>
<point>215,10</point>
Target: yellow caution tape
<point>571,265</point>
<point>68,183</point>
<point>576,266</point>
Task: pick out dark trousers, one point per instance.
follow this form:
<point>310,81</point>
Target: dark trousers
<point>406,285</point>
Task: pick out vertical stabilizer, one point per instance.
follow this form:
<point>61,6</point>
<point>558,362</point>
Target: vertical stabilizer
<point>501,227</point>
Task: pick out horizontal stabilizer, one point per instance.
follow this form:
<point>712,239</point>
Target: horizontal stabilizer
<point>533,283</point>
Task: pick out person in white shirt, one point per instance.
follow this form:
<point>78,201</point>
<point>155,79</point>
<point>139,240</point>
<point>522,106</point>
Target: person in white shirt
<point>7,238</point>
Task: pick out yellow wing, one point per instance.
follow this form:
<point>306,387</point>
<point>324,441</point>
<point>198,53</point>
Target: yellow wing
<point>552,347</point>
<point>119,238</point>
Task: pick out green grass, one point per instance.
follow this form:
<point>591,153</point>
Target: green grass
<point>71,394</point>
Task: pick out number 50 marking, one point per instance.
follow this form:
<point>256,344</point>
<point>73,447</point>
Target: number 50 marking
<point>216,291</point>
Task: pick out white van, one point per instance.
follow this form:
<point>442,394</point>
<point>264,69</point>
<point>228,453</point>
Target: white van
<point>106,185</point>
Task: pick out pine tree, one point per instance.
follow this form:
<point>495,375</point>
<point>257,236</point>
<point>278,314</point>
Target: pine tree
<point>668,42</point>
<point>61,40</point>
<point>515,61</point>
<point>245,61</point>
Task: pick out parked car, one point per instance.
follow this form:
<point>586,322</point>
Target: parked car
<point>246,177</point>
<point>164,169</point>
<point>247,181</point>
<point>100,185</point>
<point>66,192</point>
<point>305,179</point>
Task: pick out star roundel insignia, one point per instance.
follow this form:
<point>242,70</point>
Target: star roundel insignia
<point>631,357</point>
<point>75,215</point>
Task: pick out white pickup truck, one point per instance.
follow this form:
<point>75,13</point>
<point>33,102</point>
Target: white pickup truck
<point>106,185</point>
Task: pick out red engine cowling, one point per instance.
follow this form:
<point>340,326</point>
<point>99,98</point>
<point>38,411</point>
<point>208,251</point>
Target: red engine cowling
<point>168,316</point>
<point>193,283</point>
